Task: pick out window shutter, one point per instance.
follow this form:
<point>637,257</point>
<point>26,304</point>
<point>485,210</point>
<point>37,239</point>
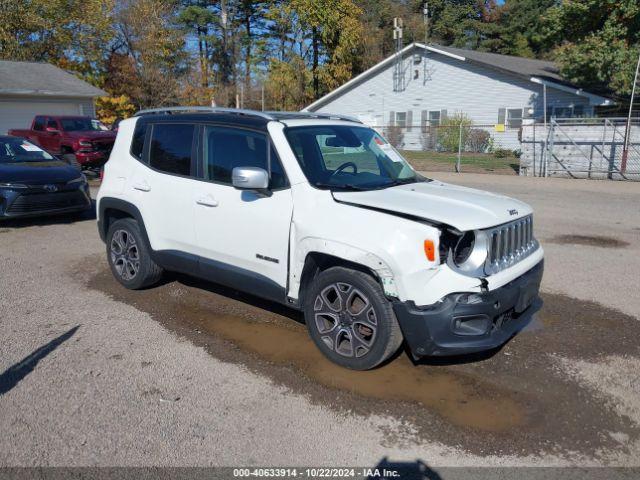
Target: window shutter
<point>392,119</point>
<point>409,120</point>
<point>424,120</point>
<point>502,114</point>
<point>443,117</point>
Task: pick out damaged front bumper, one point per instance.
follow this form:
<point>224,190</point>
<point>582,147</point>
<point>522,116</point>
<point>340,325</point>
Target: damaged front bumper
<point>463,323</point>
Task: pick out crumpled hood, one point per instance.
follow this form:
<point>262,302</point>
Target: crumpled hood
<point>460,207</point>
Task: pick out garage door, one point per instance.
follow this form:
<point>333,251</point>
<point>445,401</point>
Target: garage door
<point>19,114</point>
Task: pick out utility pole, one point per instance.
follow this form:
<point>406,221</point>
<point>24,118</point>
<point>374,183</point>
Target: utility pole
<point>425,12</point>
<point>546,132</point>
<point>627,130</point>
<point>398,26</point>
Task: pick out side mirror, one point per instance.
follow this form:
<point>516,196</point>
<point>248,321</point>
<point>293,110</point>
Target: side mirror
<point>250,178</point>
<point>52,130</point>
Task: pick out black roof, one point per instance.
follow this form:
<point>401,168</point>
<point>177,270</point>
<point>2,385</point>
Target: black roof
<point>247,121</point>
<point>521,66</point>
<point>237,117</point>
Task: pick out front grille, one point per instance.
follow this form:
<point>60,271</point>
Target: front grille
<point>103,146</point>
<point>510,243</point>
<point>32,203</point>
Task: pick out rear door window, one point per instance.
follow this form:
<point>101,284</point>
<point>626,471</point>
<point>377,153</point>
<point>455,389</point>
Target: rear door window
<point>171,148</point>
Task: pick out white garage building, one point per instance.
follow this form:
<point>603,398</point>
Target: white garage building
<point>28,89</point>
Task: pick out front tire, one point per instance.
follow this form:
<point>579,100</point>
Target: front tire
<point>129,257</point>
<point>350,320</point>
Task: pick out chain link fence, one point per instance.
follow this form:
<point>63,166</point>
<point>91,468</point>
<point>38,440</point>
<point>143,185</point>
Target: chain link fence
<point>576,147</point>
<point>581,148</point>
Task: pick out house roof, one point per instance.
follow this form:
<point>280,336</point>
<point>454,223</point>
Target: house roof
<point>42,79</point>
<point>537,71</point>
<point>524,67</point>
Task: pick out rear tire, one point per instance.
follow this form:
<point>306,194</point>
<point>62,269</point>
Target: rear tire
<point>350,320</point>
<point>129,257</point>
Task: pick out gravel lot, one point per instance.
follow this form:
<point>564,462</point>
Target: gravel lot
<point>190,373</point>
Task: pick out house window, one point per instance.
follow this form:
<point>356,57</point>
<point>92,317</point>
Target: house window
<point>514,117</point>
<point>567,112</point>
<point>563,112</point>
<point>434,118</point>
<point>401,119</point>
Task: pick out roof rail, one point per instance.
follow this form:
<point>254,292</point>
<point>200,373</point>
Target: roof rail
<point>250,113</point>
<point>187,109</point>
<point>318,115</point>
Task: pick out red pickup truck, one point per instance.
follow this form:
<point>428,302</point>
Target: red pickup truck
<point>82,141</point>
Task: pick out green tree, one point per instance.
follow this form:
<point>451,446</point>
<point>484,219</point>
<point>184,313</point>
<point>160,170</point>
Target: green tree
<point>70,33</point>
<point>522,25</point>
<point>198,20</point>
<point>334,30</point>
<point>152,43</point>
<point>598,42</point>
<point>288,86</point>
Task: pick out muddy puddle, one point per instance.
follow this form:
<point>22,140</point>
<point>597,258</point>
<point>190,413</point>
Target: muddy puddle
<point>589,240</point>
<point>513,401</point>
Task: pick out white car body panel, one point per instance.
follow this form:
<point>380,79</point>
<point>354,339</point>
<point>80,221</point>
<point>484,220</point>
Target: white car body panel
<point>166,203</point>
<point>369,228</point>
<point>461,207</point>
<point>243,225</point>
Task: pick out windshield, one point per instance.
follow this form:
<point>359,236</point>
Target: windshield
<point>82,125</point>
<point>13,150</point>
<point>346,157</point>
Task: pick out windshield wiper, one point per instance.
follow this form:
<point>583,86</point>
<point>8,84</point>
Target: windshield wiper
<point>406,181</point>
<point>341,186</point>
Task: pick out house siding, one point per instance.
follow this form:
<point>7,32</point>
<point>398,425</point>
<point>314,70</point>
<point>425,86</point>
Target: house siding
<point>18,111</point>
<point>444,83</point>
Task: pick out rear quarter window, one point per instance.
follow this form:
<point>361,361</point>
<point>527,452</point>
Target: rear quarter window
<point>171,146</point>
<point>137,141</point>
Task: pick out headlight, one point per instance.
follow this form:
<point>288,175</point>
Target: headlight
<point>464,248</point>
<point>80,179</point>
<point>469,253</point>
<point>84,143</point>
<point>13,185</point>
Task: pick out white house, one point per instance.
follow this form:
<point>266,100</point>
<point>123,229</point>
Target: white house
<point>28,89</point>
<point>424,84</point>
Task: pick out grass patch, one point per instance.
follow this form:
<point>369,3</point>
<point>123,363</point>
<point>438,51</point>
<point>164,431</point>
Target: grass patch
<point>470,162</point>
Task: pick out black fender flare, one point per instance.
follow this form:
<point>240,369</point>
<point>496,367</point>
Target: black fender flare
<point>111,203</point>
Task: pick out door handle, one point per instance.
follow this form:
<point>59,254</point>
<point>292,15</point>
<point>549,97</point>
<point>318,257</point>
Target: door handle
<point>207,201</point>
<point>142,186</point>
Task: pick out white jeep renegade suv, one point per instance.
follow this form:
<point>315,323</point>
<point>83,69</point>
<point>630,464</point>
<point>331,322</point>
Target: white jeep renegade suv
<point>321,213</point>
